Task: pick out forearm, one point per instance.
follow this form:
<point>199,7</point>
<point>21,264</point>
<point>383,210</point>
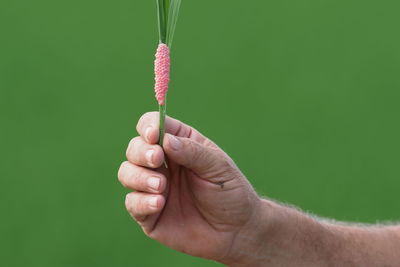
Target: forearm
<point>283,236</point>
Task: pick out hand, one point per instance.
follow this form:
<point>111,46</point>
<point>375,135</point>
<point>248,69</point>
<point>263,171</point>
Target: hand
<point>199,203</point>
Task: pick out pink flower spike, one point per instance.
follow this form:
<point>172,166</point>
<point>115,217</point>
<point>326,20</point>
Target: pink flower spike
<point>162,71</point>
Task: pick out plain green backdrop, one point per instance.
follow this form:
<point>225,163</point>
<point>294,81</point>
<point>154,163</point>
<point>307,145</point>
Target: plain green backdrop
<point>304,95</point>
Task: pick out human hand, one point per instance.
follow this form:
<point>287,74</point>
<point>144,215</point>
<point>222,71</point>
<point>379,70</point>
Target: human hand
<point>200,203</point>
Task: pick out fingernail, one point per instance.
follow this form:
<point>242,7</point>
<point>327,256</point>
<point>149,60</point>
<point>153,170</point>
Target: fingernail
<point>149,156</point>
<point>154,183</point>
<point>153,202</point>
<point>174,142</point>
<point>147,133</point>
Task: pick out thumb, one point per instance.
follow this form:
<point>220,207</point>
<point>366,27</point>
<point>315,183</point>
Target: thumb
<point>203,160</point>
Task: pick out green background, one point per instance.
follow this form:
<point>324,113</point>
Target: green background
<point>304,95</point>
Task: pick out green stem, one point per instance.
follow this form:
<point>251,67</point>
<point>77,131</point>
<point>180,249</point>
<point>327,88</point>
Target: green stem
<point>163,113</point>
<point>162,7</point>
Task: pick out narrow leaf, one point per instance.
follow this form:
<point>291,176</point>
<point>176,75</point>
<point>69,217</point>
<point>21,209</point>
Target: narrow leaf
<point>172,20</point>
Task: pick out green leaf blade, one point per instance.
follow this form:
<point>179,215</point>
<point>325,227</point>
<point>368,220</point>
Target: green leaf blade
<point>172,20</point>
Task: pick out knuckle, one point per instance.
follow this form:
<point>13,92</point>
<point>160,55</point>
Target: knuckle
<point>140,180</point>
<point>134,141</point>
<point>131,146</point>
<point>128,202</point>
<point>226,163</point>
<point>135,203</point>
<point>140,205</point>
<point>144,118</point>
<point>140,121</point>
<point>122,170</point>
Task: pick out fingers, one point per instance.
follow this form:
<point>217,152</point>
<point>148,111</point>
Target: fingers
<point>143,154</point>
<point>203,160</point>
<point>148,128</point>
<point>141,179</point>
<point>140,205</point>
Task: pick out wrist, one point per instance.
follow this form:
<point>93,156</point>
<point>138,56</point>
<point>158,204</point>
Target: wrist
<point>247,248</point>
<point>278,235</point>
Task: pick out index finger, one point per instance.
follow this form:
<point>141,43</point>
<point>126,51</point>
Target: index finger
<point>148,128</point>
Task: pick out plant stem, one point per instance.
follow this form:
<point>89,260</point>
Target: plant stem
<point>162,19</point>
<point>163,112</point>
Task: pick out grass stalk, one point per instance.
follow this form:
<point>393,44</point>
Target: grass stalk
<point>167,11</point>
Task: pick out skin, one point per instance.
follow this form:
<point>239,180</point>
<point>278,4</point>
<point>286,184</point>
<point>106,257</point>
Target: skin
<point>204,206</point>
